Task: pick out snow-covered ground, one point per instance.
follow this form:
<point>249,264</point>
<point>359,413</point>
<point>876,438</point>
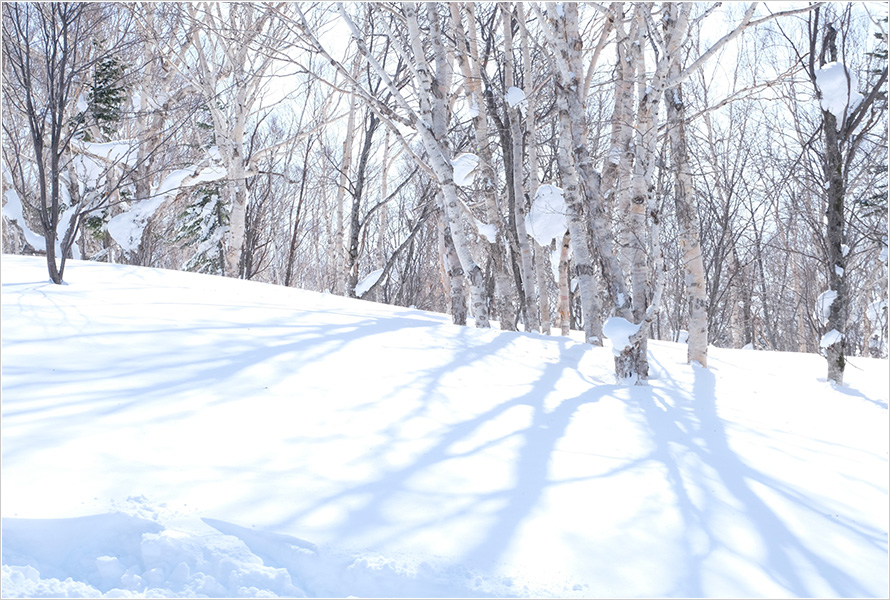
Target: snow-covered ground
<point>170,434</point>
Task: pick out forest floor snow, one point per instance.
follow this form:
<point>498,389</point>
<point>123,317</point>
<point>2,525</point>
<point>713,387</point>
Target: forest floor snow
<point>171,434</point>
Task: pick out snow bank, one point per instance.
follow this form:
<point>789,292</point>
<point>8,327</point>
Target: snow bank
<point>465,169</point>
<point>839,96</point>
<point>546,219</point>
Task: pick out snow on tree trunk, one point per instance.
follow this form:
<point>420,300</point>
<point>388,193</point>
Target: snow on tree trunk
<point>833,171</point>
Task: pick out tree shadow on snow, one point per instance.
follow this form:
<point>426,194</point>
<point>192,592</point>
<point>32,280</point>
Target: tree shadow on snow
<point>506,507</point>
<point>690,426</point>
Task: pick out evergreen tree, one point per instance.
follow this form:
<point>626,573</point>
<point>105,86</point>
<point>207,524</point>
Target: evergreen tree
<point>107,95</point>
<point>203,226</point>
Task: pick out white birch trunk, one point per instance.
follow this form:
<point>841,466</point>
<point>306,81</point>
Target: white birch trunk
<point>524,250</point>
<point>563,304</point>
<point>542,269</point>
<point>220,57</point>
<point>337,244</point>
<point>468,62</point>
<point>574,162</point>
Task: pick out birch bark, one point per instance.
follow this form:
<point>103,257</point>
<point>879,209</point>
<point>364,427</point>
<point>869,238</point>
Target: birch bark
<point>467,56</point>
<point>222,59</point>
<point>524,248</point>
<point>687,216</point>
<point>337,246</point>
<point>574,160</point>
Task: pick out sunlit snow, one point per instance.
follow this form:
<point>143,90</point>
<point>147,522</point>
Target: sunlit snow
<point>171,434</point>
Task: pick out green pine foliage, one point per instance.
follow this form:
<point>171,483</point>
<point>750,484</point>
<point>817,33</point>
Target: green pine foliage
<point>203,226</point>
<point>107,95</point>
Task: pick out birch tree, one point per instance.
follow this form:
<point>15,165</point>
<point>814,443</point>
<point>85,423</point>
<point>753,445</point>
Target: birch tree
<point>224,67</point>
<point>848,113</point>
<point>427,110</point>
<point>469,61</point>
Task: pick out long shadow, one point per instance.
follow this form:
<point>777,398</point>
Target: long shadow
<point>692,423</point>
<point>531,470</point>
<point>150,375</point>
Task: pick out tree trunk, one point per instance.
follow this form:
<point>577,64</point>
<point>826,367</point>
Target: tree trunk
<point>577,222</point>
<point>338,248</point>
<point>687,221</point>
<point>524,248</point>
<point>563,307</point>
<point>352,256</point>
<point>468,61</point>
<point>454,273</point>
<point>575,165</point>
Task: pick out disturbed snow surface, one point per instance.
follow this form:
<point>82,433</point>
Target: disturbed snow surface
<point>170,434</point>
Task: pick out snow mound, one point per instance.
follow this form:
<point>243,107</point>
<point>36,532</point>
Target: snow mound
<point>121,555</point>
<point>830,339</point>
<point>823,305</point>
<point>619,331</point>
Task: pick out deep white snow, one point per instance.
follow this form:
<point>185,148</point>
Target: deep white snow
<point>171,434</point>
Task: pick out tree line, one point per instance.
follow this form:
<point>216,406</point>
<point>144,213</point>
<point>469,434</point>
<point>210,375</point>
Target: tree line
<point>683,171</point>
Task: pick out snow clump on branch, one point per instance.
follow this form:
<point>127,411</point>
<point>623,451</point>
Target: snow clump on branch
<point>465,169</point>
<point>840,96</point>
<point>546,219</point>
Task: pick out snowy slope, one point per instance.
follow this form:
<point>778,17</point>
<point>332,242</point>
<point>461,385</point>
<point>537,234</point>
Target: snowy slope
<point>170,434</point>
